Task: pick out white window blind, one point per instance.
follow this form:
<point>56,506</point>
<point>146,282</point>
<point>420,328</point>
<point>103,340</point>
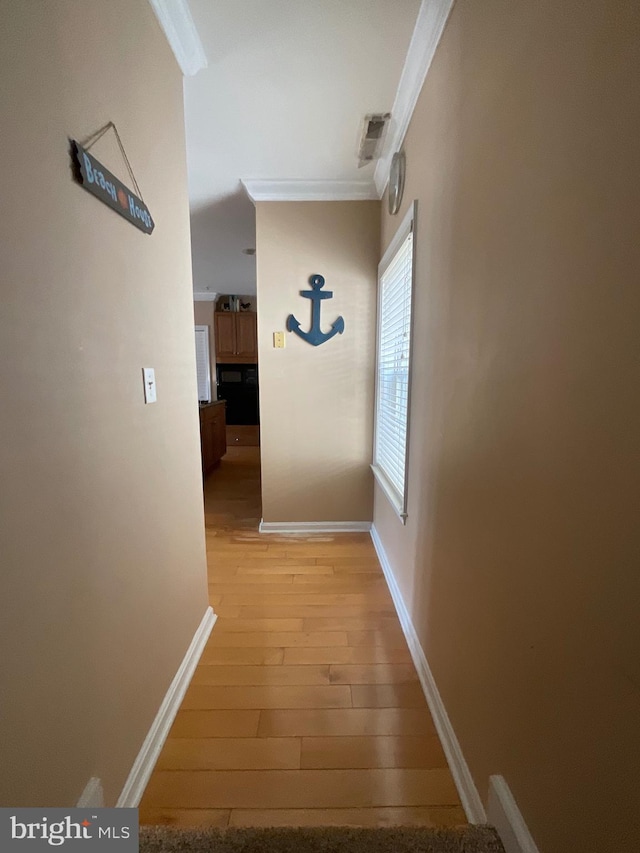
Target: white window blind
<point>203,366</point>
<point>393,363</point>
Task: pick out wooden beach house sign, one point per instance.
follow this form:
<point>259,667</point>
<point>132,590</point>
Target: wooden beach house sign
<point>99,181</point>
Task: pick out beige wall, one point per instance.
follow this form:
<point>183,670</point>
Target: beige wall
<point>103,558</point>
<point>519,561</point>
<point>203,316</point>
<point>316,403</point>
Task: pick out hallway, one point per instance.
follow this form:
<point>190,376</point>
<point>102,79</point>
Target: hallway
<point>305,708</point>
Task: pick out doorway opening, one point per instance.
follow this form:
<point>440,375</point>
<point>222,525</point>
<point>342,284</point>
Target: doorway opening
<point>228,385</point>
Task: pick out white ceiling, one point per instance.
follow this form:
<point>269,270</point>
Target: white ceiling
<point>283,97</point>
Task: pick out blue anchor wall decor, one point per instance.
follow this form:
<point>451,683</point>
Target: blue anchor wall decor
<point>315,336</point>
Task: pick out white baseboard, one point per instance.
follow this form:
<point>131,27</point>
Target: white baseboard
<point>93,796</point>
<point>157,734</point>
<point>504,814</point>
<point>469,795</point>
<point>314,526</point>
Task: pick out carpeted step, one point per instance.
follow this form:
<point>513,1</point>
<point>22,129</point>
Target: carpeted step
<point>320,839</point>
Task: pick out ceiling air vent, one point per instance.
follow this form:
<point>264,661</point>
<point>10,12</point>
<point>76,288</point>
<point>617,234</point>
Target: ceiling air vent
<point>373,133</point>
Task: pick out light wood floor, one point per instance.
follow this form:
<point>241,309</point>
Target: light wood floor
<point>305,708</point>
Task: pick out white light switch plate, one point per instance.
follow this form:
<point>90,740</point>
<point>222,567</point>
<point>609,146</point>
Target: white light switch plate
<point>149,377</point>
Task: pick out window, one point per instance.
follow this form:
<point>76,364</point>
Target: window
<point>395,292</point>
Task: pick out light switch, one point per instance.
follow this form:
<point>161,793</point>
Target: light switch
<point>149,378</point>
<point>278,340</point>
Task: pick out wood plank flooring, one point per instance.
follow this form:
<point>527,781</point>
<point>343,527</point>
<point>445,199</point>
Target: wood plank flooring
<point>305,708</point>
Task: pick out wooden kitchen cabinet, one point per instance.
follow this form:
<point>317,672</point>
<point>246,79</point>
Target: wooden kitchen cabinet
<point>213,434</point>
<point>247,335</point>
<point>236,335</point>
<point>225,335</point>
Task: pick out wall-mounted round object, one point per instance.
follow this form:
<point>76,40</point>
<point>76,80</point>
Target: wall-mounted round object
<point>396,181</point>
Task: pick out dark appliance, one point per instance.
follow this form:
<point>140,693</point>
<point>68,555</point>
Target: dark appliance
<point>238,385</point>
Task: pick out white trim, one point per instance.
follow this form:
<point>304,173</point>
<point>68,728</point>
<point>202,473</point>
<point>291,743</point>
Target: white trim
<point>93,796</point>
<point>469,795</point>
<point>293,190</point>
<point>314,526</point>
<point>397,500</point>
<point>427,32</point>
<point>204,330</point>
<point>406,226</point>
<point>205,296</point>
<point>504,814</point>
<point>394,497</point>
<point>178,25</point>
<point>157,734</point>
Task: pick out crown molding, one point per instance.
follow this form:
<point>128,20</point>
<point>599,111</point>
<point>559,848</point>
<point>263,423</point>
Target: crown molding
<point>295,190</point>
<point>427,32</point>
<point>178,25</point>
<point>430,24</point>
